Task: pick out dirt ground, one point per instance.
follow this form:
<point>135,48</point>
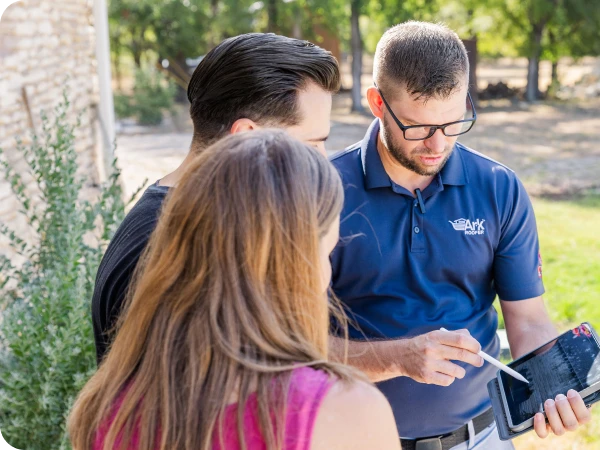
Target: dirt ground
<point>553,146</point>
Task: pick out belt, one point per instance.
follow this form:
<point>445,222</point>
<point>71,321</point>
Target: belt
<point>447,441</point>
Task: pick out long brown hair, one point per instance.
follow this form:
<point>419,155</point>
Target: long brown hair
<point>226,301</point>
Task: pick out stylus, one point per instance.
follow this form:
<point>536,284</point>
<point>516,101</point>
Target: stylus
<point>499,365</point>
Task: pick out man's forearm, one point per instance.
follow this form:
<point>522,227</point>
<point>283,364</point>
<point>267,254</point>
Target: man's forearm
<point>528,325</point>
<point>375,358</point>
<point>527,336</point>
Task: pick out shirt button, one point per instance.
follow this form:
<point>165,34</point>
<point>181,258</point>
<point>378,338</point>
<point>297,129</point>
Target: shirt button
<point>417,230</point>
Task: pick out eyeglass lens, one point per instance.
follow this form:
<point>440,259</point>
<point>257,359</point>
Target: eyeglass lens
<point>453,129</point>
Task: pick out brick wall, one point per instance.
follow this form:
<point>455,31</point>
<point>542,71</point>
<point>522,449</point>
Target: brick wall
<point>46,45</point>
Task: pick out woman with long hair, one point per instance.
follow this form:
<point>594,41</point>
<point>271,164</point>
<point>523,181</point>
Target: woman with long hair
<point>224,340</point>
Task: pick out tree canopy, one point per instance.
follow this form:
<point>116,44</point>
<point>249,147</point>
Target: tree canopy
<point>155,30</point>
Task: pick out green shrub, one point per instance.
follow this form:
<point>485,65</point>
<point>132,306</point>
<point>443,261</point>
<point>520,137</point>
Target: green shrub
<point>123,106</point>
<point>152,95</point>
<point>46,342</point>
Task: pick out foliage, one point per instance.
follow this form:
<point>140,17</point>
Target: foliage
<point>383,14</point>
<point>46,341</point>
<point>152,95</point>
<point>231,17</point>
<point>167,27</point>
<point>174,30</point>
<point>123,106</point>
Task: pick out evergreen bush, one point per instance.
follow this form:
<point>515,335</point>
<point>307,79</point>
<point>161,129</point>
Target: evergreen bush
<point>46,341</point>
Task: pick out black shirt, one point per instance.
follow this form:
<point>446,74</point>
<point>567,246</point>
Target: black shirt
<point>119,262</point>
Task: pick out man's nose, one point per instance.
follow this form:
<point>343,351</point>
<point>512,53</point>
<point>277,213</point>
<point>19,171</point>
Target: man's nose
<point>437,142</point>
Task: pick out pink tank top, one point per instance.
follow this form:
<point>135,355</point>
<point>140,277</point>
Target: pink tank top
<point>308,387</point>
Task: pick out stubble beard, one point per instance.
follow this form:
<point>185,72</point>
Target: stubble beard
<point>410,161</point>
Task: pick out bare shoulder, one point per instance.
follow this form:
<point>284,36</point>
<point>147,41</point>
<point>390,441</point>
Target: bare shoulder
<point>355,415</point>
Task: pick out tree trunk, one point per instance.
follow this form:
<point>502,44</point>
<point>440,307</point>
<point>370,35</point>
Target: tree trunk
<point>357,57</point>
<point>178,67</point>
<point>471,46</point>
<point>554,79</point>
<point>116,60</point>
<point>272,13</point>
<point>137,57</point>
<point>532,91</point>
<point>214,38</point>
<point>297,25</point>
<point>137,47</point>
<point>554,85</point>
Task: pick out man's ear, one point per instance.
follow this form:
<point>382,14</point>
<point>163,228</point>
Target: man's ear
<point>242,125</point>
<point>375,102</point>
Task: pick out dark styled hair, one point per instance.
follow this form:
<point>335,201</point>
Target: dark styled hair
<point>255,76</point>
<point>426,59</point>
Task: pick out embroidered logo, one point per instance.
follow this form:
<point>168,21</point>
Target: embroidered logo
<point>468,226</point>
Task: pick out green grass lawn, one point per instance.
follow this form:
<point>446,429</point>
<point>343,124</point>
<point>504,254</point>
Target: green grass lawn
<point>570,246</point>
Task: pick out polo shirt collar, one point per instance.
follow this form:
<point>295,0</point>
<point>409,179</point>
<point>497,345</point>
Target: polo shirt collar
<point>375,174</point>
<point>454,172</point>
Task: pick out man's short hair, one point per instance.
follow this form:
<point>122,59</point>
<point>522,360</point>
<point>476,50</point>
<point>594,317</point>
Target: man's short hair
<point>256,76</point>
<point>426,59</point>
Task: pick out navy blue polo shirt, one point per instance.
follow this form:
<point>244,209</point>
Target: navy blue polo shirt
<point>402,272</point>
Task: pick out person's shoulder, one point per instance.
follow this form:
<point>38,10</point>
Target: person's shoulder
<point>485,170</point>
<point>355,415</point>
<point>153,197</point>
<point>346,156</point>
<point>130,238</point>
<point>145,212</point>
<point>348,163</point>
<point>353,393</point>
<point>473,157</point>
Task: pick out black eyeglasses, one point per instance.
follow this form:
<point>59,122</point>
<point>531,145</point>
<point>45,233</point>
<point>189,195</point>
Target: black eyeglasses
<point>422,132</point>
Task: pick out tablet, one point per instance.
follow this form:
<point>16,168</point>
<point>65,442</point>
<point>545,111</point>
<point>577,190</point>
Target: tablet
<point>571,361</point>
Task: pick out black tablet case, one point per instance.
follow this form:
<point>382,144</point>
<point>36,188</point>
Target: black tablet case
<point>504,431</point>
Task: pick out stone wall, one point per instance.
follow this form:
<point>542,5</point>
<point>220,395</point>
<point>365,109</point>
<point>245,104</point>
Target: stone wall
<point>45,46</point>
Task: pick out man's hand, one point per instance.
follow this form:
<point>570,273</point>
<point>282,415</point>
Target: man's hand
<point>426,358</point>
<point>564,414</point>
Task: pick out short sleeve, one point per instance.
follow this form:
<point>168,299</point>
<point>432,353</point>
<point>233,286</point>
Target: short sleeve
<point>517,260</point>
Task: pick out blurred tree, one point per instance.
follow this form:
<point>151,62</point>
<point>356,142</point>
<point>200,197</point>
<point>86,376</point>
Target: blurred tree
<point>161,33</point>
<point>272,10</point>
<point>551,29</point>
<point>230,18</point>
<point>539,14</point>
<point>383,14</point>
<point>574,31</point>
<point>130,21</point>
<point>158,31</point>
<point>465,18</point>
<point>169,28</point>
<point>180,28</point>
<point>356,43</point>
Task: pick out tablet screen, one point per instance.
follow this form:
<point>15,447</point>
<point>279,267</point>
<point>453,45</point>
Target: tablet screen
<point>572,361</point>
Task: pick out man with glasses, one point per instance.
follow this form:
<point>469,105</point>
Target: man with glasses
<point>434,231</point>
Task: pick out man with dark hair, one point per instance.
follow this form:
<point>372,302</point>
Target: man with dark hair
<point>247,82</point>
<point>438,230</point>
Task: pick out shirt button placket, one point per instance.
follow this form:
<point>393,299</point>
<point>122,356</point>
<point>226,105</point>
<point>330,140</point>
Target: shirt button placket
<point>417,238</point>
